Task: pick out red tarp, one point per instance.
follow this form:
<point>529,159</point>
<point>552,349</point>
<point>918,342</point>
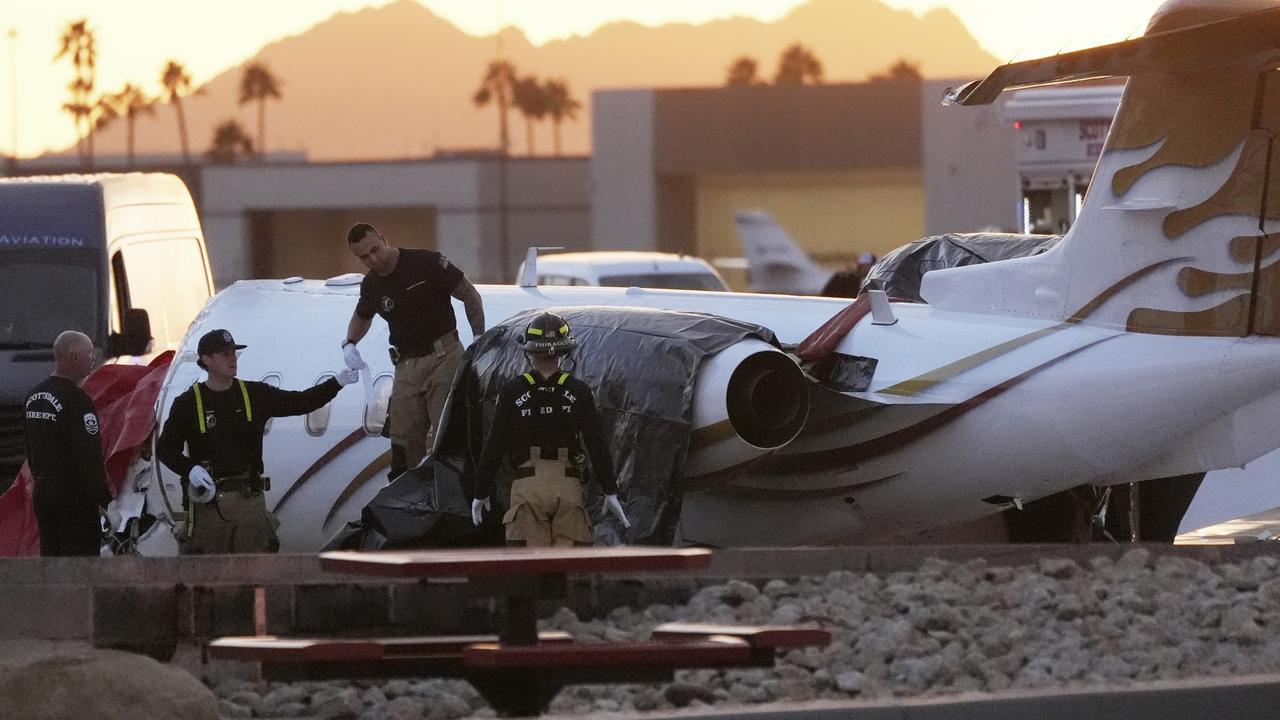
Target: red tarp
<point>125,397</point>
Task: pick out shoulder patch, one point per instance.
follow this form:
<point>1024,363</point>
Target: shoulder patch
<point>444,262</point>
<point>91,423</point>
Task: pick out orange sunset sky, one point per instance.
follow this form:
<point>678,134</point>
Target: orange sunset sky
<point>136,37</point>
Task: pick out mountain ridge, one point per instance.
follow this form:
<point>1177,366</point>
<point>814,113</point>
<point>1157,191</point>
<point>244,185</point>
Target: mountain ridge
<point>396,81</point>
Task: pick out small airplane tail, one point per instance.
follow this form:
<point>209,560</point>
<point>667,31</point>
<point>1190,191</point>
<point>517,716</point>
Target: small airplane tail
<point>775,263</point>
<point>1174,236</point>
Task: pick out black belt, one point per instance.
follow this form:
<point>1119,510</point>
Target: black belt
<point>573,472</point>
<point>251,483</point>
<point>406,351</point>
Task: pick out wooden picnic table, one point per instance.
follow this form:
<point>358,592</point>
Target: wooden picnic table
<point>520,576</point>
<point>519,671</point>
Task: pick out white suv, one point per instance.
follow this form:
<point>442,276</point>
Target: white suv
<point>627,269</point>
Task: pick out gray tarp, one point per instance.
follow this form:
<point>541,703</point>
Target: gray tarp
<point>899,272</point>
<point>641,364</point>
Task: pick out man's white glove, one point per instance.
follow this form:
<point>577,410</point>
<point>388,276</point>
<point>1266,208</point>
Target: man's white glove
<point>478,506</point>
<point>112,516</point>
<point>346,376</point>
<point>612,505</point>
<point>352,356</point>
<point>201,487</point>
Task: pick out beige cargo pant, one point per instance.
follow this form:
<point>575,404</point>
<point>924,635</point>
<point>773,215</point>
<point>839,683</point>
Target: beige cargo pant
<point>418,393</point>
<point>235,523</point>
<point>547,509</point>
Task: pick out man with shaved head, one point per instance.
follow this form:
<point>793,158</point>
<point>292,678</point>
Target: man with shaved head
<point>64,451</point>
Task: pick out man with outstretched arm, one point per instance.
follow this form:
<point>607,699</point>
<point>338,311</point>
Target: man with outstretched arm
<point>220,422</point>
<point>410,289</point>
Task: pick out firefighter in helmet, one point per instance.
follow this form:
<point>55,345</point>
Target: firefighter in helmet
<point>546,421</point>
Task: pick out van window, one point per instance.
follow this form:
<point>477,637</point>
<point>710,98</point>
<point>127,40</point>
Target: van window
<point>272,379</point>
<point>167,279</point>
<point>119,292</point>
<point>560,280</point>
<point>665,281</point>
<point>318,420</point>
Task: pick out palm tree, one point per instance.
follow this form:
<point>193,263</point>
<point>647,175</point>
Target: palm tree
<point>531,101</point>
<point>901,71</point>
<point>177,84</point>
<point>744,71</point>
<point>258,84</point>
<point>77,43</point>
<point>561,105</point>
<point>129,103</point>
<point>496,86</point>
<point>796,65</point>
<point>230,142</point>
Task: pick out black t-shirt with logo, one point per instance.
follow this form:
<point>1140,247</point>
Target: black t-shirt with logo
<point>413,299</point>
<point>231,442</point>
<point>555,412</point>
<point>64,442</point>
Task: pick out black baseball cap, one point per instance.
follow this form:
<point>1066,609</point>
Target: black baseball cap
<point>215,341</point>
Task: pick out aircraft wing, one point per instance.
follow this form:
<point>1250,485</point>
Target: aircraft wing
<point>1205,45</point>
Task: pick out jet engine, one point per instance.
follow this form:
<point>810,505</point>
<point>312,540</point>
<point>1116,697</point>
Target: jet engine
<point>749,400</point>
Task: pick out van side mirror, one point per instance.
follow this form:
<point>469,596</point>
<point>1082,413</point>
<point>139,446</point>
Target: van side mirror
<point>136,336</point>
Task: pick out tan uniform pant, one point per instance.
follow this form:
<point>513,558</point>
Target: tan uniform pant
<point>547,509</point>
<point>234,523</point>
<point>418,393</point>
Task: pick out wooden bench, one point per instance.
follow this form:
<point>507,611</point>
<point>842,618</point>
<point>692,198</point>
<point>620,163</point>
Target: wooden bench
<point>715,651</point>
<point>759,637</point>
<point>329,658</point>
<point>521,680</point>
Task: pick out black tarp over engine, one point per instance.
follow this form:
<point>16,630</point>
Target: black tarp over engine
<point>641,364</point>
<point>899,272</point>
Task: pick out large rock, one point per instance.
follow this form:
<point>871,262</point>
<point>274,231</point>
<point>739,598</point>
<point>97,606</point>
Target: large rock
<point>54,681</point>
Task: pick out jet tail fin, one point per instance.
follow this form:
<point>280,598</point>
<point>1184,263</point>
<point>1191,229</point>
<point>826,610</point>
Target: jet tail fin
<point>775,263</point>
<point>1178,232</point>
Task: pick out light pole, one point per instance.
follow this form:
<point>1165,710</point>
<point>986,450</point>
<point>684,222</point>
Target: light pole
<point>13,88</point>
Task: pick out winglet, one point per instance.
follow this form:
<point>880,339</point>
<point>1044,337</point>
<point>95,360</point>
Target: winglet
<point>881,311</point>
<point>529,271</point>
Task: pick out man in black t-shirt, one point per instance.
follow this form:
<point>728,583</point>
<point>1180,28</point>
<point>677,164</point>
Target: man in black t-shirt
<point>64,452</point>
<point>220,422</point>
<point>410,289</point>
<point>545,426</point>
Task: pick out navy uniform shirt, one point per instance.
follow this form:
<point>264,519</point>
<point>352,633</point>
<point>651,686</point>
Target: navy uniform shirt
<point>231,442</point>
<point>413,299</point>
<point>64,441</point>
<point>556,412</point>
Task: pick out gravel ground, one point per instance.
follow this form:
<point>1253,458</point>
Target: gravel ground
<point>944,628</point>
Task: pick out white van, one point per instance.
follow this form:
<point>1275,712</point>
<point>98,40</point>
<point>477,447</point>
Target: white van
<point>119,257</point>
<point>627,269</point>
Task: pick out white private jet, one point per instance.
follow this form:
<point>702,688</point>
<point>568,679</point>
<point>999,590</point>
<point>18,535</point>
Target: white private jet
<point>1143,346</point>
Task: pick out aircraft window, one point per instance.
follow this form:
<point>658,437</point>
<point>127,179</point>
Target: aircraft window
<point>272,379</point>
<point>375,413</point>
<point>318,420</point>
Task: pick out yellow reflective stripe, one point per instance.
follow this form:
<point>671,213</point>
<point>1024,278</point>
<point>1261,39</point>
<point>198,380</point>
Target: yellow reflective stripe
<point>564,329</point>
<point>529,377</point>
<point>534,331</point>
<point>199,407</point>
<point>563,376</point>
<point>244,393</point>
